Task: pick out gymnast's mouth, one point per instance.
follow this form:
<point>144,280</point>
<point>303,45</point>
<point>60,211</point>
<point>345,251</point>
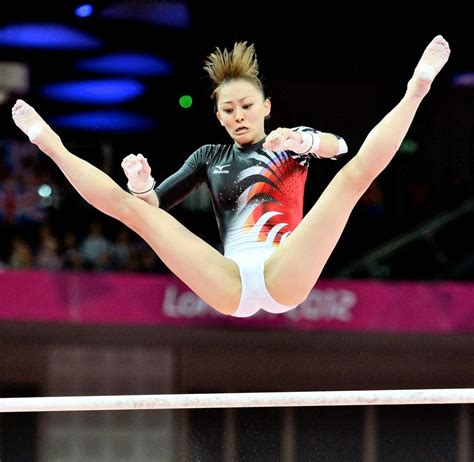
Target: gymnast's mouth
<point>241,130</point>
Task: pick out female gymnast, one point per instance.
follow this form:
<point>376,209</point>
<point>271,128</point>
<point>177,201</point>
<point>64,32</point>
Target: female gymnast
<point>272,256</point>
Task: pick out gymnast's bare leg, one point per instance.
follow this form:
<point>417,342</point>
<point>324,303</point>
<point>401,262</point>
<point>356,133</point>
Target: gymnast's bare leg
<point>214,278</point>
<point>293,269</point>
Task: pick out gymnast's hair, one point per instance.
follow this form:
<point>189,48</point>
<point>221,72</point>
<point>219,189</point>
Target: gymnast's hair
<point>224,66</point>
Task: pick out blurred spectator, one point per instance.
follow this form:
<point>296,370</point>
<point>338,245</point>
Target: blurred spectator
<point>72,256</point>
<point>121,250</point>
<point>48,256</point>
<point>97,249</point>
<point>23,174</point>
<point>150,261</point>
<point>8,200</point>
<point>21,256</point>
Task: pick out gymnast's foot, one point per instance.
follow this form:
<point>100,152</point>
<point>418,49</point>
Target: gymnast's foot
<point>37,130</point>
<point>433,59</point>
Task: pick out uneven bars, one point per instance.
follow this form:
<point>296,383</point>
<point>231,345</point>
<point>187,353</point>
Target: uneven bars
<point>238,400</point>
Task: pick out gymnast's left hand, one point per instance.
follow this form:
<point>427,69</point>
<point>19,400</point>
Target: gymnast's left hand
<point>281,139</point>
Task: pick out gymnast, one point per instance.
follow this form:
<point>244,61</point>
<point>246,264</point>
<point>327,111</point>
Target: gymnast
<point>273,256</point>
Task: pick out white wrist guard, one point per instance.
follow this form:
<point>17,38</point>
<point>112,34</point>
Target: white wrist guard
<point>310,143</point>
<point>142,188</point>
<point>342,147</point>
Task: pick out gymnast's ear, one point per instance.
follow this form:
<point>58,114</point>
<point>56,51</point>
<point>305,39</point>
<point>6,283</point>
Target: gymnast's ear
<point>267,104</point>
<point>219,118</point>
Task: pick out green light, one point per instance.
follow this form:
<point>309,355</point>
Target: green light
<point>185,101</point>
<point>409,146</point>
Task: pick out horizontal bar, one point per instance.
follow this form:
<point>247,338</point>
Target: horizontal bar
<point>238,400</point>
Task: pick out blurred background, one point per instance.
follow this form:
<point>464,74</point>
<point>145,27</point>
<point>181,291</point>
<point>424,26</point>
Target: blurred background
<point>87,308</point>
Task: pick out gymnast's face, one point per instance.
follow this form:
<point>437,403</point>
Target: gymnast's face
<point>241,109</point>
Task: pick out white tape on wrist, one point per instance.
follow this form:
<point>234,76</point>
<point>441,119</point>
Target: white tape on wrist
<point>143,189</point>
<point>310,142</point>
<point>342,147</point>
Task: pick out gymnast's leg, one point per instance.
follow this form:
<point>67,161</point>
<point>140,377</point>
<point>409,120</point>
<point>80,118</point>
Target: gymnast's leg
<point>214,278</point>
<point>293,269</point>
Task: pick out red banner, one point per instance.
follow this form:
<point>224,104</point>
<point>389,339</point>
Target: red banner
<point>125,299</point>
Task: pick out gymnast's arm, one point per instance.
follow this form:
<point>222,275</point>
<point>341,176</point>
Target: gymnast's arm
<point>173,189</point>
<point>306,141</point>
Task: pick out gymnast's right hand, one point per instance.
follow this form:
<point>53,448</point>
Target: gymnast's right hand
<point>138,172</point>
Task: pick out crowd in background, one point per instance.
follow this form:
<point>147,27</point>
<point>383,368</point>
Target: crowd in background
<point>46,225</point>
<point>93,251</point>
